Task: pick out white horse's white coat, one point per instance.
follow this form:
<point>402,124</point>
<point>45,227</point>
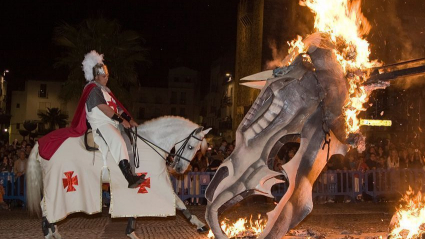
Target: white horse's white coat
<point>62,198</point>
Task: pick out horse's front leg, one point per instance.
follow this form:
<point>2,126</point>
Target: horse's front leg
<point>201,227</point>
<point>131,227</point>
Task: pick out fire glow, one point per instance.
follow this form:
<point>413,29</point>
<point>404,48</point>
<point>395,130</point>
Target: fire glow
<point>346,26</point>
<point>409,221</point>
<point>242,228</point>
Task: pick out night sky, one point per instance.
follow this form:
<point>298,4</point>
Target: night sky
<point>190,33</point>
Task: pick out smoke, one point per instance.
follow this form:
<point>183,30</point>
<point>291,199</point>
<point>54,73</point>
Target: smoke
<point>277,54</point>
<point>292,20</point>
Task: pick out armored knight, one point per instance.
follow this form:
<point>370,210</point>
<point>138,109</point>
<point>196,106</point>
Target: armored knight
<point>104,113</point>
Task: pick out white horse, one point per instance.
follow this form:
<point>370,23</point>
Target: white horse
<point>71,180</point>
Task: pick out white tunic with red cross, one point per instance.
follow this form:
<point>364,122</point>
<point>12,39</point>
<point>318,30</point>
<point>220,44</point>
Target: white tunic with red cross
<point>110,138</point>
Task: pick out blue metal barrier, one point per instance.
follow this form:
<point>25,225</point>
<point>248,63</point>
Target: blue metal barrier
<point>375,184</point>
<point>191,185</point>
<point>15,188</point>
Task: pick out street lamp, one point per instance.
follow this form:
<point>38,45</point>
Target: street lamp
<point>229,77</point>
<point>5,71</point>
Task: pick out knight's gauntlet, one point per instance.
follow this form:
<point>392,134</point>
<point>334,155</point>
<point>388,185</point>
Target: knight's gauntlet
<point>117,117</point>
<point>126,116</point>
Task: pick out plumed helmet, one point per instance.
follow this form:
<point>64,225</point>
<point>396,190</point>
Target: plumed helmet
<point>93,65</point>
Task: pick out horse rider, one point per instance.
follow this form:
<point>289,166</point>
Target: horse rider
<point>104,113</point>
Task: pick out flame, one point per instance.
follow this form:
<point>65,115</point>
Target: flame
<point>241,228</point>
<point>410,221</point>
<point>344,23</point>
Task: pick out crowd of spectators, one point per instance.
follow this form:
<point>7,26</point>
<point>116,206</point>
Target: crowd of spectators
<point>14,159</point>
<point>383,155</point>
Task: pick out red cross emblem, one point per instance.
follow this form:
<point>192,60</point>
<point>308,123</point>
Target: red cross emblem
<point>145,184</point>
<point>70,181</point>
<point>113,105</point>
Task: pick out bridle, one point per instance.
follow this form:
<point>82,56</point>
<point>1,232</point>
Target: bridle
<point>179,152</point>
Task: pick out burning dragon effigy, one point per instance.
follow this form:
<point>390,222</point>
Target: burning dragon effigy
<point>314,97</point>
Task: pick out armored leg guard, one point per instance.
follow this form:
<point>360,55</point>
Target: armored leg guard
<point>133,180</point>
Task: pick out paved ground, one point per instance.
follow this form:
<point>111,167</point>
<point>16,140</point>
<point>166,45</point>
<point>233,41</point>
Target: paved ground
<point>351,220</point>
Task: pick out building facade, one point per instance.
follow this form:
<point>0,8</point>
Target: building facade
<point>179,98</point>
<point>218,103</point>
<point>36,97</point>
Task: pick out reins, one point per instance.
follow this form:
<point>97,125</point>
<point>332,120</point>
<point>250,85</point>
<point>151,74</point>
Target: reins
<point>177,155</point>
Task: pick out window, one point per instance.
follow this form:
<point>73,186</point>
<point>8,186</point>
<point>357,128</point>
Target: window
<point>173,97</point>
<point>182,112</point>
<point>141,113</point>
<point>42,93</point>
<point>183,98</point>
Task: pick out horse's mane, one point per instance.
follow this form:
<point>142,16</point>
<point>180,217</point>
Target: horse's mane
<point>165,121</point>
<point>161,120</point>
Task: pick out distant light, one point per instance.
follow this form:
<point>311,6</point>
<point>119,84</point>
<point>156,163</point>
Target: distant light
<point>5,130</point>
<point>228,74</point>
<point>370,122</point>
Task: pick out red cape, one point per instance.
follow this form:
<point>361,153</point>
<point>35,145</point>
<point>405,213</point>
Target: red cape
<point>48,144</point>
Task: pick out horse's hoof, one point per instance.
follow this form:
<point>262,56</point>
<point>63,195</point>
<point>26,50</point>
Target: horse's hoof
<point>133,236</point>
<point>203,230</point>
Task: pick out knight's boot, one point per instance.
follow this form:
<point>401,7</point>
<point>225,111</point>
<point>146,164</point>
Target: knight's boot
<point>133,180</point>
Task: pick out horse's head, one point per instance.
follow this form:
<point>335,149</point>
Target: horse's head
<point>187,148</point>
<point>299,103</point>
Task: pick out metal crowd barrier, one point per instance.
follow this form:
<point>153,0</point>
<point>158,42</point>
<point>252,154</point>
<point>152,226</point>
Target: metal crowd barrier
<point>370,185</point>
<point>374,184</point>
<point>191,185</point>
<point>14,188</point>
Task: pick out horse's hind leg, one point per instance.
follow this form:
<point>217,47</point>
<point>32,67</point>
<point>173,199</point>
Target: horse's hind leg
<point>194,220</point>
<point>131,227</point>
<point>50,230</point>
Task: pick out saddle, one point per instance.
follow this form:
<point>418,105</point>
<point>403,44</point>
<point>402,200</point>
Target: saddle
<point>90,145</point>
<point>89,141</point>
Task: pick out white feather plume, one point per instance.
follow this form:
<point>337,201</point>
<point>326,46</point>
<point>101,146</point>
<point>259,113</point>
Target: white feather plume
<point>90,60</point>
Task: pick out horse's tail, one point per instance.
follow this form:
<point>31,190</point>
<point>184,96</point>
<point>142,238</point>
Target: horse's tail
<point>34,182</point>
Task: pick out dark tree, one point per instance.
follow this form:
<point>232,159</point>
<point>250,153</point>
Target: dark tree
<point>122,50</point>
<point>53,117</point>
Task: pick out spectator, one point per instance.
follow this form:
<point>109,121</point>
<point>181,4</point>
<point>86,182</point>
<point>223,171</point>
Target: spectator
<point>415,160</point>
<point>2,192</point>
<point>371,162</point>
<point>194,185</point>
<point>223,146</point>
<point>6,165</point>
<point>277,164</point>
<point>28,149</point>
<point>19,169</point>
<point>23,144</point>
<point>404,159</point>
<point>201,161</point>
<point>393,160</point>
<point>216,161</point>
<point>351,161</point>
<point>362,166</point>
<point>290,155</point>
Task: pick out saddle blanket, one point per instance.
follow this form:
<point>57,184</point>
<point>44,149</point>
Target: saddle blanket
<point>72,181</point>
